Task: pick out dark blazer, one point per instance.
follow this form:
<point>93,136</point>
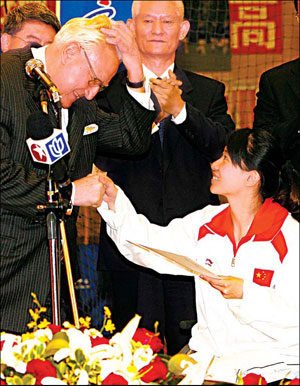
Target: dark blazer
<point>162,185</point>
<point>24,246</point>
<point>278,106</point>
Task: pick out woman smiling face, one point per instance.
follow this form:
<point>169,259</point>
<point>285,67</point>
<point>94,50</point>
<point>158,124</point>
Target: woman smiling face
<point>228,178</point>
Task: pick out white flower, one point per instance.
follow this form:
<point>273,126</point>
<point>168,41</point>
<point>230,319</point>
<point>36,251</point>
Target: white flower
<point>52,381</point>
<point>142,357</point>
<point>78,340</point>
<point>9,349</point>
<point>7,352</point>
<point>83,378</point>
<point>45,332</point>
<point>61,354</point>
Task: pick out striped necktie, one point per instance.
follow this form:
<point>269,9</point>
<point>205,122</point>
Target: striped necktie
<point>161,128</point>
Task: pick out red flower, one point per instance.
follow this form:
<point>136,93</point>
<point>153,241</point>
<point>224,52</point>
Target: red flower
<point>146,337</point>
<point>2,382</point>
<point>294,381</point>
<point>254,379</point>
<point>97,341</point>
<point>40,369</point>
<point>114,379</point>
<point>157,370</point>
<point>54,328</point>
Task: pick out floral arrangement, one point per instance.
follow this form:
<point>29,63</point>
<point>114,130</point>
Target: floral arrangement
<point>54,355</point>
<point>255,379</point>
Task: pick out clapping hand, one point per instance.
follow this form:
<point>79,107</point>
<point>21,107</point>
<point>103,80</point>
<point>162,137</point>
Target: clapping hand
<point>168,94</point>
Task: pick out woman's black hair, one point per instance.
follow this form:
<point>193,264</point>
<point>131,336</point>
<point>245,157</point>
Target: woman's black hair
<point>258,150</point>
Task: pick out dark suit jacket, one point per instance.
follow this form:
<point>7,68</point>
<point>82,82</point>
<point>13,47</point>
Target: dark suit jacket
<point>24,246</point>
<point>171,183</point>
<point>278,106</point>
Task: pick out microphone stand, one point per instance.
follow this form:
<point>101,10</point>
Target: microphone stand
<point>58,205</point>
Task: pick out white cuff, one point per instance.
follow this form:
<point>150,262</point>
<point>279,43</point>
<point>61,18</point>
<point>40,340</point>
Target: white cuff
<point>181,117</point>
<point>142,97</point>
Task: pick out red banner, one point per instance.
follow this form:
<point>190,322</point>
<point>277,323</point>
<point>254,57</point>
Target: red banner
<point>256,27</point>
<point>51,4</point>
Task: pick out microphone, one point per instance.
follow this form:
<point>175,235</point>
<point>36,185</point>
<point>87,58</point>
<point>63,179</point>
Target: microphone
<point>49,146</point>
<point>35,69</point>
<point>46,145</point>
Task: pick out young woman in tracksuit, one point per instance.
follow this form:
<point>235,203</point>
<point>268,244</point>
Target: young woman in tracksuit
<point>249,315</point>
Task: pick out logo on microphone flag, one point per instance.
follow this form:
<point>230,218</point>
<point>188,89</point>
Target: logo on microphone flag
<point>57,147</point>
<point>49,150</point>
<point>38,153</point>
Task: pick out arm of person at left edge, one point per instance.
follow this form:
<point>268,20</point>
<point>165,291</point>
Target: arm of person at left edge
<point>121,36</point>
<point>128,132</point>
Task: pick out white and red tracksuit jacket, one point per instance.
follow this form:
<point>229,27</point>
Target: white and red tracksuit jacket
<point>267,258</point>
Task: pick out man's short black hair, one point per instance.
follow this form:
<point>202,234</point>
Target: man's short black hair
<point>13,21</point>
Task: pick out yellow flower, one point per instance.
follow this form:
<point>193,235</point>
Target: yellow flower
<point>44,324</point>
<point>109,326</point>
<point>239,378</point>
<point>68,325</point>
<point>31,324</point>
<point>107,312</point>
<point>28,335</point>
<point>132,369</point>
<point>85,322</point>
<point>35,316</point>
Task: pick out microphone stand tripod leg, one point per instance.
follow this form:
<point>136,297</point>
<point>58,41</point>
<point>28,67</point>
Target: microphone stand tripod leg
<point>69,273</point>
<point>54,268</point>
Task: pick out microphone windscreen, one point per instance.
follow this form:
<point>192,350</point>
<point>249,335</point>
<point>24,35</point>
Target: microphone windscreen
<point>38,126</point>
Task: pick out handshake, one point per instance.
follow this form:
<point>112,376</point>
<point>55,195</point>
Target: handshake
<point>93,189</point>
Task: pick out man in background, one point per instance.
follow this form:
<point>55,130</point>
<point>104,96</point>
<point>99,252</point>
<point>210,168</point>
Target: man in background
<point>172,178</point>
<point>32,23</point>
<point>81,62</point>
<point>278,105</point>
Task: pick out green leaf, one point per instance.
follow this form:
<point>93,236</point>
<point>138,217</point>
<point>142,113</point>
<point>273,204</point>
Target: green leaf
<point>40,350</point>
<point>62,368</point>
<point>54,346</point>
<point>80,357</point>
<point>32,354</point>
<point>17,380</point>
<point>28,379</point>
<point>26,358</point>
<point>8,371</point>
<point>61,335</point>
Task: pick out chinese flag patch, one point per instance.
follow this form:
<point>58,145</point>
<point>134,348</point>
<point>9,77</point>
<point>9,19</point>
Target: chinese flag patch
<point>263,277</point>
